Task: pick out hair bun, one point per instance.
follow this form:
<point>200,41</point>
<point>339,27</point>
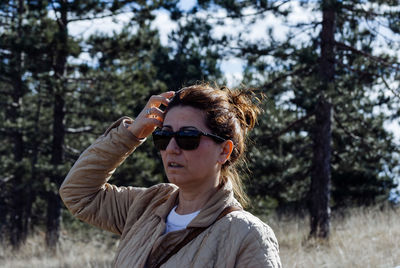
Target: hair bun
<point>246,106</point>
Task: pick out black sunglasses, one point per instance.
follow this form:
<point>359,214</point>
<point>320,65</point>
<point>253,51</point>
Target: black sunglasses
<point>187,139</point>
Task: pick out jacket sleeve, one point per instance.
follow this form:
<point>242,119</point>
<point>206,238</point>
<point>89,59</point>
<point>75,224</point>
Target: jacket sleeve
<point>85,190</point>
<point>259,249</point>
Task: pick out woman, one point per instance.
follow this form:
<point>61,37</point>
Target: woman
<point>196,220</point>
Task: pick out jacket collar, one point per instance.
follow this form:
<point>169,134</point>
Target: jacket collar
<point>167,203</point>
<point>217,203</point>
<point>214,206</point>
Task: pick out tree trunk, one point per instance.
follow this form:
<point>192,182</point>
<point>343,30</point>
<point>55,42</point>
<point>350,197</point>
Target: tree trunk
<point>321,173</point>
<point>322,135</point>
<point>34,159</point>
<point>53,199</point>
<point>17,209</point>
<point>53,220</point>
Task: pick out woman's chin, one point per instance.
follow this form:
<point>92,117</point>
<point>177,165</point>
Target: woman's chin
<point>177,180</point>
<point>174,180</point>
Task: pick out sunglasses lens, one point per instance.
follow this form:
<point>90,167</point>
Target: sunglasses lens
<point>188,140</point>
<point>161,139</point>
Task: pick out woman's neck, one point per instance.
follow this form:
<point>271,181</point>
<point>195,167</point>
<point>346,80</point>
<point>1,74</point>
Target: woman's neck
<point>194,200</point>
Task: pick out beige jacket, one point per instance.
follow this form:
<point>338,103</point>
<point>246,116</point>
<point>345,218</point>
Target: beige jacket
<point>138,215</point>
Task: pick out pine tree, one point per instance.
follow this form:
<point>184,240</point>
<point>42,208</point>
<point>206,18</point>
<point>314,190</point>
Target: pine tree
<point>319,110</point>
<point>20,57</point>
<point>39,103</point>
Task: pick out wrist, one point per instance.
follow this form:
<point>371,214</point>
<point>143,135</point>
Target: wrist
<point>130,127</point>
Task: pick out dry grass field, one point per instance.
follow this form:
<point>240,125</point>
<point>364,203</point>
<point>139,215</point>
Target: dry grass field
<point>364,238</point>
<point>367,237</point>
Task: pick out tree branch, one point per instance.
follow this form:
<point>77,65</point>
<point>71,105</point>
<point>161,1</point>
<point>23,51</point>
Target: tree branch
<point>55,13</point>
<point>79,130</point>
<point>290,126</point>
<point>262,11</point>
<point>344,129</point>
<point>375,58</point>
<point>297,72</point>
<point>259,12</point>
<point>361,11</point>
<point>74,152</point>
<point>389,88</point>
<point>98,17</point>
<point>374,75</point>
<point>5,180</point>
<point>70,80</point>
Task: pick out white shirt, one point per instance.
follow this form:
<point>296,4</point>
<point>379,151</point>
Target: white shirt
<point>176,222</point>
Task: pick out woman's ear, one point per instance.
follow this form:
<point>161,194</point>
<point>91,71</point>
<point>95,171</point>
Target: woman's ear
<point>226,150</point>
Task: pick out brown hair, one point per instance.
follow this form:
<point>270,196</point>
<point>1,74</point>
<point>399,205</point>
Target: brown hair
<point>229,114</point>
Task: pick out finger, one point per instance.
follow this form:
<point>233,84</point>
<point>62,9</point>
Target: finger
<point>168,94</point>
<point>157,100</point>
<point>154,112</point>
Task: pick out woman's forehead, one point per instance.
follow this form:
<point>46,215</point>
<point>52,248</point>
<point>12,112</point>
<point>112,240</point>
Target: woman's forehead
<point>185,116</point>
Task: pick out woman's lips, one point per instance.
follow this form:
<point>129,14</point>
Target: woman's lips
<point>173,164</point>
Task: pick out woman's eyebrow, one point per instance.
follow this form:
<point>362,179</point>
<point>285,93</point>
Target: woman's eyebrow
<point>182,128</point>
<point>188,127</point>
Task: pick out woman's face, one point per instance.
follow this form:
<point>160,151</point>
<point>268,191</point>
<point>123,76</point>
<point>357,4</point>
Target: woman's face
<point>193,168</point>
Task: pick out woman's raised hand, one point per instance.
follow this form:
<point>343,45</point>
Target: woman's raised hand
<point>151,116</point>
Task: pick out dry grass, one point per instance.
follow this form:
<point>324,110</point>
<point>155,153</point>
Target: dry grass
<point>368,237</point>
<point>359,238</point>
<point>73,251</point>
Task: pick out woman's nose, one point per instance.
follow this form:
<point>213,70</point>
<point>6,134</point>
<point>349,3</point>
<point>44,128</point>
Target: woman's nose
<point>172,146</point>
